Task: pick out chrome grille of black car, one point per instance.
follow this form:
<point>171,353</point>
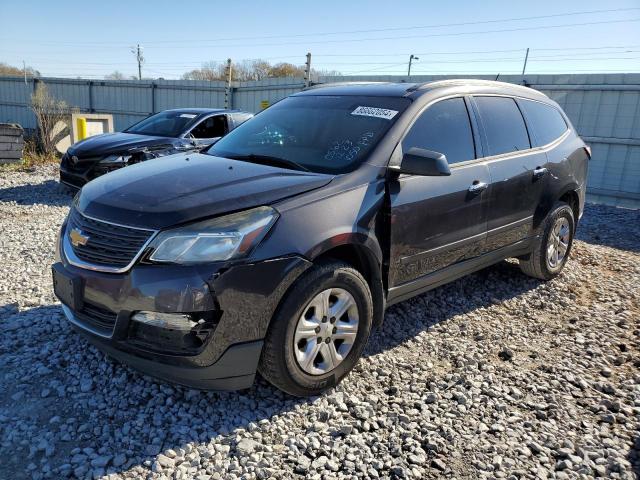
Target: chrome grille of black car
<point>107,244</point>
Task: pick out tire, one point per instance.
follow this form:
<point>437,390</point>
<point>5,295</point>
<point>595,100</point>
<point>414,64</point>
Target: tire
<point>540,262</point>
<point>284,362</point>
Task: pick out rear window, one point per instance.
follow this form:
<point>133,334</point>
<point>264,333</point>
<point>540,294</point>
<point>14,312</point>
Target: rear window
<point>503,125</point>
<point>545,121</point>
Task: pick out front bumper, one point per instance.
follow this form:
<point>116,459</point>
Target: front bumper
<point>72,179</point>
<point>240,299</point>
<point>76,176</point>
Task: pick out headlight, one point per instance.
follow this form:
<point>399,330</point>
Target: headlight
<point>222,238</point>
<point>115,159</point>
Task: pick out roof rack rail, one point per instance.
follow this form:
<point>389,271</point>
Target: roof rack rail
<point>342,84</point>
<point>468,81</point>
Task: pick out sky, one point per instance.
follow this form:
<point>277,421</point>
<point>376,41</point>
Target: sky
<point>91,39</point>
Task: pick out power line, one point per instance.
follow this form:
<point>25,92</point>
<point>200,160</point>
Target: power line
<point>441,25</point>
<point>446,34</point>
<point>566,56</point>
<point>352,32</point>
<point>196,44</point>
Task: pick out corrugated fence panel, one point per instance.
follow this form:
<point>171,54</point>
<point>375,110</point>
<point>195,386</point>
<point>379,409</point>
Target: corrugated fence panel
<point>251,95</point>
<point>605,109</point>
<point>14,98</point>
<point>184,93</point>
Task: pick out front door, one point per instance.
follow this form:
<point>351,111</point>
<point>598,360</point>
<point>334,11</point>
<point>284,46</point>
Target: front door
<point>209,130</point>
<point>518,174</point>
<point>438,221</point>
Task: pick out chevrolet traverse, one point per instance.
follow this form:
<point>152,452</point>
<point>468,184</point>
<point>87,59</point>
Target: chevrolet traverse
<point>277,249</point>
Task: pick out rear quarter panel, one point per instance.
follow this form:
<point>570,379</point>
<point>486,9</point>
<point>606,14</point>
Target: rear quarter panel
<point>568,164</point>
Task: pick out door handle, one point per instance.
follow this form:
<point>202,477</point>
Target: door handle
<point>540,172</point>
<point>477,187</point>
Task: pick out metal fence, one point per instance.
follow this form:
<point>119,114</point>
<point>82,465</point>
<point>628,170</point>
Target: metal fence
<point>605,109</point>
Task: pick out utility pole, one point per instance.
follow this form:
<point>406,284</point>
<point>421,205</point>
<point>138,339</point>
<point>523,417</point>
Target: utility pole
<point>137,51</point>
<point>411,59</point>
<point>227,90</point>
<point>24,70</point>
<point>307,71</point>
<point>524,67</point>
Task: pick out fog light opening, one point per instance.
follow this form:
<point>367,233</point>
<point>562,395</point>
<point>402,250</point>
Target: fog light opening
<point>171,321</point>
<point>172,333</point>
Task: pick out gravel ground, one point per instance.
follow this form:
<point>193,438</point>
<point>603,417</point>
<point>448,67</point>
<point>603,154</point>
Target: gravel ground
<point>496,375</point>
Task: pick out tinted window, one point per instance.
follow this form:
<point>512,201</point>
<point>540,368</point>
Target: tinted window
<point>212,127</point>
<point>164,124</point>
<point>444,127</point>
<point>329,134</point>
<point>503,125</point>
<point>545,121</point>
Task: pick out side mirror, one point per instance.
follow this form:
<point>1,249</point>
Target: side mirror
<point>418,161</point>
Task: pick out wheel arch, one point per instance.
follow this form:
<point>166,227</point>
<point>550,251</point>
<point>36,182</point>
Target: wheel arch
<point>363,254</point>
<point>571,197</point>
<point>568,193</point>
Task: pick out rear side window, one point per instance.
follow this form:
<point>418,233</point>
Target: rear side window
<point>444,127</point>
<point>545,121</point>
<point>503,125</point>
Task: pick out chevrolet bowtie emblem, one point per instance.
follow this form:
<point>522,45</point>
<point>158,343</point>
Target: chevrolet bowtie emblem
<point>77,237</point>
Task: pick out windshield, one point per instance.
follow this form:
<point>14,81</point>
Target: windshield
<point>164,124</point>
<point>328,134</point>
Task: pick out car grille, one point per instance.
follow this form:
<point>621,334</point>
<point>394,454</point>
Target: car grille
<point>98,318</point>
<point>81,166</point>
<point>108,244</point>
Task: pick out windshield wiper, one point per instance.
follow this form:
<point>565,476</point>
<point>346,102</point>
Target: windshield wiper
<point>268,160</point>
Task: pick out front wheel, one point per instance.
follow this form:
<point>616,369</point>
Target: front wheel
<point>552,248</point>
<point>319,332</point>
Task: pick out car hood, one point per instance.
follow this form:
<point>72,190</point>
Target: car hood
<point>119,142</point>
<point>181,188</point>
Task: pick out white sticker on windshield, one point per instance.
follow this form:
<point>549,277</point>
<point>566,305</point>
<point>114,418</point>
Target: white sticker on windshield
<point>375,112</point>
<point>188,115</point>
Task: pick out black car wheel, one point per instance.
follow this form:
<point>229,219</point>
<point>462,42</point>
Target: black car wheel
<point>554,245</point>
<point>319,331</point>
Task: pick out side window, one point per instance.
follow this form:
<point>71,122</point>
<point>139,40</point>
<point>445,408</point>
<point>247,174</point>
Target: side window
<point>546,121</point>
<point>211,127</point>
<point>503,125</point>
<point>444,127</point>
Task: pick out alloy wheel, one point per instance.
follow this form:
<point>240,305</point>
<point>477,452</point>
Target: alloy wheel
<point>326,331</point>
<point>558,243</point>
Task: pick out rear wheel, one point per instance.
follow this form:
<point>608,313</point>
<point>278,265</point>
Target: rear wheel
<point>552,248</point>
<point>319,332</point>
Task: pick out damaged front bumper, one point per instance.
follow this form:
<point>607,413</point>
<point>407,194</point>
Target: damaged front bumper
<point>228,307</point>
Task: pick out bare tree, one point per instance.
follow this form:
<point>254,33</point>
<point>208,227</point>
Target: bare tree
<point>48,111</point>
<point>210,71</point>
<point>251,70</point>
<point>8,70</point>
<point>116,75</point>
<point>261,69</point>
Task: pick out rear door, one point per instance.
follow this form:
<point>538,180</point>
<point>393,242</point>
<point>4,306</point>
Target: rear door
<point>518,173</point>
<point>438,221</point>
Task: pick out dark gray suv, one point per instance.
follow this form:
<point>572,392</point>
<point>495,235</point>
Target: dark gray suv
<point>278,248</point>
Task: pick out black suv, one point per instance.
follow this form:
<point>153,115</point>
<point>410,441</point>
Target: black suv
<point>279,248</point>
<point>164,133</point>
